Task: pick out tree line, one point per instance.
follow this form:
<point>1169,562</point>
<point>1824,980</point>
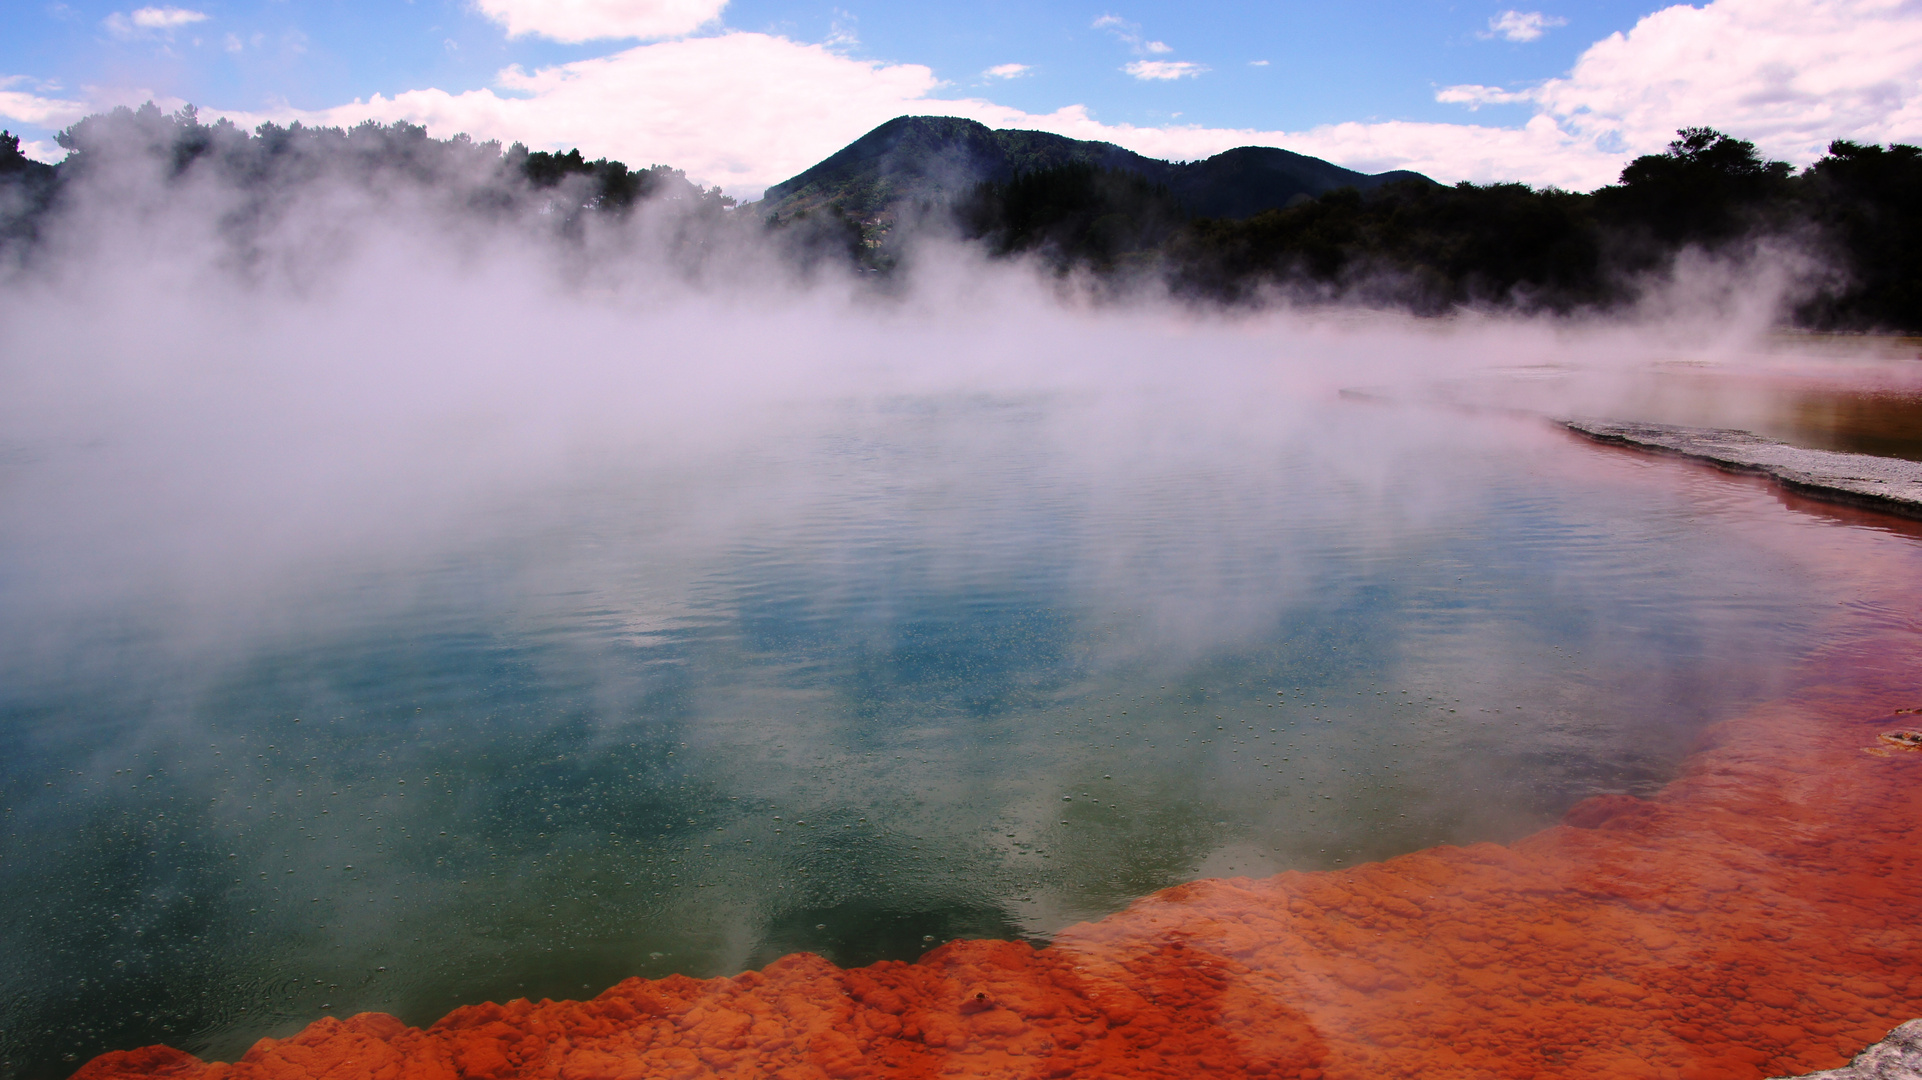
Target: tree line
<point>1424,247</point>
<point>1430,248</point>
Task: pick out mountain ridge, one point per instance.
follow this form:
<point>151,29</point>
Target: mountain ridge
<point>931,160</point>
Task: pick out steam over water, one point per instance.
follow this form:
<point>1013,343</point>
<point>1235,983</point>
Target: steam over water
<point>431,636</point>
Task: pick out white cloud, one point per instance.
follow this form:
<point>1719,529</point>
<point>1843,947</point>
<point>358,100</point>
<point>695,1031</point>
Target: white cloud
<point>25,107</point>
<point>153,18</point>
<point>746,110</point>
<point>742,110</point>
<point>1475,96</point>
<point>575,21</point>
<point>42,151</point>
<point>1788,74</point>
<point>1538,152</point>
<point>1522,25</point>
<point>1257,63</point>
<point>148,21</point>
<point>1147,70</point>
<point>1007,71</point>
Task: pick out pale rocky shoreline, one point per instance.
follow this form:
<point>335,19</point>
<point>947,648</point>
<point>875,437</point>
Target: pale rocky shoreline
<point>1880,483</point>
<point>1898,1057</point>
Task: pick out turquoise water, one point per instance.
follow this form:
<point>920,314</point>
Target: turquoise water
<point>909,670</point>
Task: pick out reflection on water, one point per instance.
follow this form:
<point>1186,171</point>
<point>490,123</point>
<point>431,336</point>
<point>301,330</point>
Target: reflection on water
<point>1888,425</point>
<point>925,670</point>
<point>1883,423</point>
<point>1862,398</point>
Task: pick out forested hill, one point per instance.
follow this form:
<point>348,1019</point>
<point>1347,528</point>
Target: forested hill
<point>930,162</point>
<point>1845,233</point>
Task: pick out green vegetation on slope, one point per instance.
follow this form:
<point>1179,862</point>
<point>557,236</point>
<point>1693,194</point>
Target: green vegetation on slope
<point>917,167</point>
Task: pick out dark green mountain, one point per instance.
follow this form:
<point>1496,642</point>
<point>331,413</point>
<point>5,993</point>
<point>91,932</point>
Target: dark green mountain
<point>935,160</point>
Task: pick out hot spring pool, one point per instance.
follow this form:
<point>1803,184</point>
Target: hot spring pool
<point>917,668</point>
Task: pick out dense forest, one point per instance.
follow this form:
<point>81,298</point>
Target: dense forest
<point>1432,248</point>
<point>1853,218</point>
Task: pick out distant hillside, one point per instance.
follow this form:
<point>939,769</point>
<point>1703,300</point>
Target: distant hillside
<point>936,160</point>
<point>1244,227</point>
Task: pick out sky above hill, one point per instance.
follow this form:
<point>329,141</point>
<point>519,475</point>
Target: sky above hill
<point>744,93</point>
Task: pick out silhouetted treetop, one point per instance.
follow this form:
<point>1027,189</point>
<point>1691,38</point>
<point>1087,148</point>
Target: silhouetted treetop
<point>1866,202</point>
<point>1706,187</point>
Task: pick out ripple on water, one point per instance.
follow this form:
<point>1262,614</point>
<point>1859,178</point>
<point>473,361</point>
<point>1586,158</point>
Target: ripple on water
<point>844,721</point>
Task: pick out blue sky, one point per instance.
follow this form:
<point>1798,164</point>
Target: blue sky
<point>1326,62</point>
<point>745,92</point>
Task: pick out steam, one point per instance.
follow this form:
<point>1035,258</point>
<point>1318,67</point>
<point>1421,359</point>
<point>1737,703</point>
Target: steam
<point>223,399</point>
<point>203,409</point>
<point>253,439</point>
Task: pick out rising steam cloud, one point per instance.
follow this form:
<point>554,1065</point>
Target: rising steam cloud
<point>262,428</point>
<point>215,383</point>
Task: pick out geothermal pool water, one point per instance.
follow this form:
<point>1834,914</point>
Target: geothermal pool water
<point>922,668</point>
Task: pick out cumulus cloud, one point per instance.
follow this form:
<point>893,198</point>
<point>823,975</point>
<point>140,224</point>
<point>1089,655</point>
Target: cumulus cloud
<point>1150,70</point>
<point>742,110</point>
<point>153,18</point>
<point>151,21</point>
<point>745,110</point>
<point>1788,74</point>
<point>683,103</point>
<point>1522,25</point>
<point>42,151</point>
<point>27,107</point>
<point>1475,96</point>
<point>1007,71</point>
<point>575,21</point>
<point>1539,152</point>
